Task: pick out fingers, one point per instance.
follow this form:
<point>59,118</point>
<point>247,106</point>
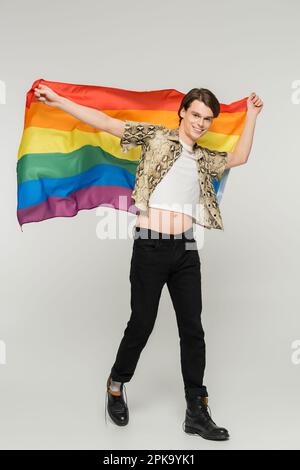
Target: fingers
<point>255,99</point>
<point>39,96</point>
<point>258,102</point>
<point>41,88</point>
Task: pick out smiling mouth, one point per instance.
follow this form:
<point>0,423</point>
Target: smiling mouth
<point>198,130</point>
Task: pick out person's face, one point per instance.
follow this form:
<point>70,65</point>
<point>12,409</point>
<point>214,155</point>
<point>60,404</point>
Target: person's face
<point>196,121</point>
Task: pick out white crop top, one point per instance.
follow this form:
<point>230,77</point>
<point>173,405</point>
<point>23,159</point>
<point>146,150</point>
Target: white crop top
<point>179,190</point>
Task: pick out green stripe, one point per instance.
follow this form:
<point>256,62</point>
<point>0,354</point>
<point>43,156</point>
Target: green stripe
<point>61,165</point>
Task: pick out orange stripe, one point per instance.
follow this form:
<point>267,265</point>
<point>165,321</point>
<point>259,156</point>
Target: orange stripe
<point>40,115</point>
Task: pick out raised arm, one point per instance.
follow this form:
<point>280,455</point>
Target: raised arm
<point>90,116</point>
<point>243,147</point>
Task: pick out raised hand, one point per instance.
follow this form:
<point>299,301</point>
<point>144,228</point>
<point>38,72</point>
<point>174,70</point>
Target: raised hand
<point>46,95</point>
<point>254,103</point>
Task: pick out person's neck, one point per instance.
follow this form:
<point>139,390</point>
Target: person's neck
<point>187,140</point>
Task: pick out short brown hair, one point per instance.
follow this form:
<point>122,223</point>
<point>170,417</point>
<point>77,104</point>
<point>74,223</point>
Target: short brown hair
<point>201,94</point>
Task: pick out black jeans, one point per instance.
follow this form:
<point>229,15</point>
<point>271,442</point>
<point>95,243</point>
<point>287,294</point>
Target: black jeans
<point>160,258</point>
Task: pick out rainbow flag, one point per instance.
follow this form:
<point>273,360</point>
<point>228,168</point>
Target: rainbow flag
<point>65,165</point>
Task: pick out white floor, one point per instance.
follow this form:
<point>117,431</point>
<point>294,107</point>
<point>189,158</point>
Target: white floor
<point>54,412</point>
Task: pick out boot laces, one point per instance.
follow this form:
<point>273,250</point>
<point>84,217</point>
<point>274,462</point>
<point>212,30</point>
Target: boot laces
<point>207,413</point>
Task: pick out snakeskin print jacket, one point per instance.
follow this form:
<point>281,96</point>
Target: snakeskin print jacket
<point>160,149</point>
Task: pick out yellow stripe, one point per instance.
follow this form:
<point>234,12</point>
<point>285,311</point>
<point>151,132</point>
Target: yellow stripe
<point>216,141</point>
<point>41,140</point>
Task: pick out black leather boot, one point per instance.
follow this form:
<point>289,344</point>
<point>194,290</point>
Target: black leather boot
<point>198,420</point>
<point>116,406</point>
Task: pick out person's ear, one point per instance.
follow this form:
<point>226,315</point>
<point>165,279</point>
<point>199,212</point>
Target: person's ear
<point>182,112</point>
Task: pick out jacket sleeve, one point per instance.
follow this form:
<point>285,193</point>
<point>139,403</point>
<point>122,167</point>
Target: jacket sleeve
<point>137,133</point>
<point>216,162</point>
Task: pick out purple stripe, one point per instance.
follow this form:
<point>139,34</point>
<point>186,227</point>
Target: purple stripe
<point>86,198</point>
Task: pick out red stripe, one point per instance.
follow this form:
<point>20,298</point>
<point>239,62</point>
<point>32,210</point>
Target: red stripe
<point>116,98</point>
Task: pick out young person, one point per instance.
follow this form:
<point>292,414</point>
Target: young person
<point>173,189</point>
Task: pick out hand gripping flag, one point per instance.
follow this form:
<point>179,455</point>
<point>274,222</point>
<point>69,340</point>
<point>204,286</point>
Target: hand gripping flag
<point>65,165</point>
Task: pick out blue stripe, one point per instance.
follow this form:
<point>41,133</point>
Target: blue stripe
<point>216,184</point>
<point>34,192</point>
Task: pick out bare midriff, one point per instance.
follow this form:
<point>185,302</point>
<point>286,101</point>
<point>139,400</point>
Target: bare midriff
<point>162,220</point>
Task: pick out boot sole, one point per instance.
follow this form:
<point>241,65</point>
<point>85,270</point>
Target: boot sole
<point>190,430</point>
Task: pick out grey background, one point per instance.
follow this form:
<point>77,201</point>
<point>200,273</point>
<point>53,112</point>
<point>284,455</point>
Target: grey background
<point>65,297</point>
